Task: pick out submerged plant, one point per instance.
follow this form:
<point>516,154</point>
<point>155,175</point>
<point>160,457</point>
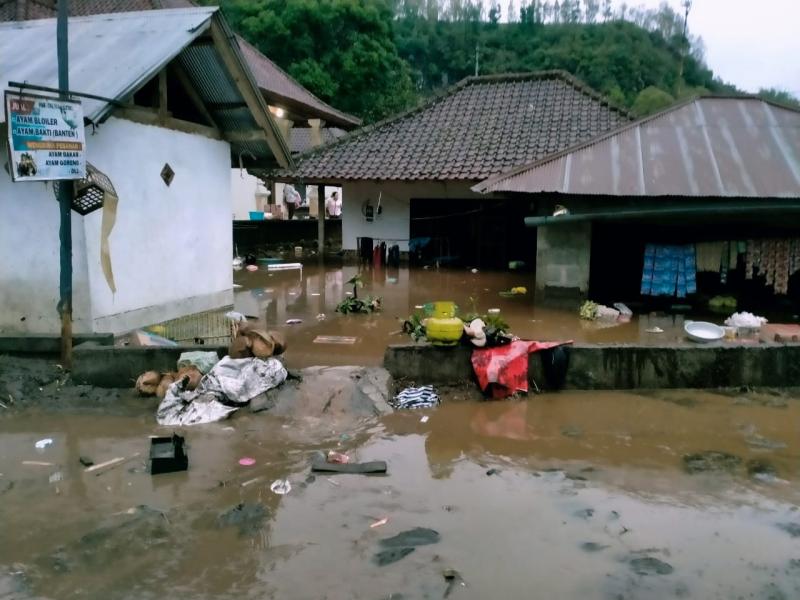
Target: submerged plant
<point>358,305</point>
<point>414,326</point>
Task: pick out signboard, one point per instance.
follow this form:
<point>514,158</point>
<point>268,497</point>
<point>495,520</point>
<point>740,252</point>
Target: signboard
<point>45,138</point>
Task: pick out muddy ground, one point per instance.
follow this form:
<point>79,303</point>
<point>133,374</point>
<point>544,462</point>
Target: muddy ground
<point>674,494</point>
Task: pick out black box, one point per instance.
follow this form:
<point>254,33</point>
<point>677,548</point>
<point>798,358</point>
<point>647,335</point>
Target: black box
<point>167,455</point>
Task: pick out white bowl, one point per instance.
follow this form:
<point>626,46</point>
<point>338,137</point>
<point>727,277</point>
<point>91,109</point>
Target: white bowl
<point>703,332</point>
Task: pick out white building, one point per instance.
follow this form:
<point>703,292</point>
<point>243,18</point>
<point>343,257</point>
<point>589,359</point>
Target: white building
<point>178,93</point>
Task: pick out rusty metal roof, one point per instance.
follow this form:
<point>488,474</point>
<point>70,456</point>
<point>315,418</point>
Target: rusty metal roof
<point>708,147</point>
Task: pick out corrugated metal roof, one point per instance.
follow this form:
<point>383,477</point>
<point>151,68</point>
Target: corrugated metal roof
<point>113,55</point>
<point>110,55</point>
<point>711,147</point>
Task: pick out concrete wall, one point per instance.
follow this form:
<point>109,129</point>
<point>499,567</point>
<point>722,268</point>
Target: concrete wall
<point>394,223</point>
<point>255,236</point>
<point>621,366</point>
<point>171,246</point>
<point>248,194</point>
<point>563,254</point>
<point>29,267</point>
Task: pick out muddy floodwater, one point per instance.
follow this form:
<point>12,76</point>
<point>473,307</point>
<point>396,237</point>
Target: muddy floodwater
<point>311,295</point>
<point>570,496</point>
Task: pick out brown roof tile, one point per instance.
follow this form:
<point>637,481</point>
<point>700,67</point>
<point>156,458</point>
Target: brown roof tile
<point>481,127</point>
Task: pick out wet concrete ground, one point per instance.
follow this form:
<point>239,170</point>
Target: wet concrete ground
<point>588,497</point>
<point>277,297</point>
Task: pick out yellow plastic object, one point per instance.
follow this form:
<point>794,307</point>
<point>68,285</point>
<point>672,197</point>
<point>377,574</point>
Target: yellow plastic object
<point>442,309</point>
<point>444,331</point>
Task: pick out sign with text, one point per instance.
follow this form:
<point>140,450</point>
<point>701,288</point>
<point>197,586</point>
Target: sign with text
<point>45,138</point>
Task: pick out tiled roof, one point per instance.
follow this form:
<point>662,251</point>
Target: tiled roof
<point>273,81</point>
<point>481,127</point>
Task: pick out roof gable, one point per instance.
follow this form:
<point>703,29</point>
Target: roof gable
<point>706,147</point>
<point>480,127</point>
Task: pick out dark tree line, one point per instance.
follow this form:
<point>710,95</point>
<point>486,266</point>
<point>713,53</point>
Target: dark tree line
<point>374,58</point>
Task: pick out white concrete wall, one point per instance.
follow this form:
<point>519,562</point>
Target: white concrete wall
<point>29,268</point>
<point>243,190</point>
<point>171,247</point>
<point>394,222</point>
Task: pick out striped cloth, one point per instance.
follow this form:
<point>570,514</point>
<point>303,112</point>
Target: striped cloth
<point>421,397</point>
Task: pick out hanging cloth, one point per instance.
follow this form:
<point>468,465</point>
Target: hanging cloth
<point>709,256</point>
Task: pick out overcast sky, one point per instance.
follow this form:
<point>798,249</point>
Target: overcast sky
<point>750,43</point>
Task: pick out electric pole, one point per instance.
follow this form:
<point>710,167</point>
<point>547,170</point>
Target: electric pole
<point>64,198</point>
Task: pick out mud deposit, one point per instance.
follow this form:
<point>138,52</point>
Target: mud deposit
<point>589,497</point>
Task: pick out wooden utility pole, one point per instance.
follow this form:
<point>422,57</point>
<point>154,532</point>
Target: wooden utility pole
<point>64,198</point>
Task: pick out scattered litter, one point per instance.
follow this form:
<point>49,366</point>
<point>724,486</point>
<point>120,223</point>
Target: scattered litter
<point>56,477</point>
<point>251,481</point>
<point>247,461</point>
<point>321,317</point>
<point>228,428</point>
<point>391,279</point>
<point>419,306</point>
<point>293,321</point>
<point>335,339</point>
<point>654,330</point>
<point>379,522</point>
<point>450,574</point>
<point>321,465</point>
<point>236,286</point>
<point>252,268</point>
<point>37,463</point>
<point>491,472</point>
<point>494,311</point>
<point>473,270</point>
<point>332,482</point>
<point>424,419</point>
<point>3,405</point>
<point>315,293</point>
<point>44,443</point>
<point>337,457</point>
<point>421,397</point>
<point>85,461</point>
<point>281,486</point>
<point>167,455</point>
<point>114,462</point>
<point>746,320</point>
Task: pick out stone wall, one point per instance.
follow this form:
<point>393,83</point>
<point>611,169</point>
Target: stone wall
<point>620,366</point>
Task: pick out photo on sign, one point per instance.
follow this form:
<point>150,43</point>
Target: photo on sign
<point>45,138</point>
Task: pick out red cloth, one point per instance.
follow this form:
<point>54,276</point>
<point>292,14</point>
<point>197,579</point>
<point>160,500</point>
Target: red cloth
<point>506,366</point>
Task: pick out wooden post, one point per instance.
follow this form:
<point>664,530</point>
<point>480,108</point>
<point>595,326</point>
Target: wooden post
<point>64,200</point>
<point>320,219</point>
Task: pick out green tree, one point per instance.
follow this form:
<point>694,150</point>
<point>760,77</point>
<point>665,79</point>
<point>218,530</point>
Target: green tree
<point>650,100</point>
<point>780,96</point>
<point>341,50</point>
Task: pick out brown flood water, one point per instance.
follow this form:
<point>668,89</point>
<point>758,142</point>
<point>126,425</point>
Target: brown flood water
<point>590,496</point>
<point>286,295</point>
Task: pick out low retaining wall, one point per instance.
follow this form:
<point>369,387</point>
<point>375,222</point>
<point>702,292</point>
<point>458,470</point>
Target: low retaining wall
<point>252,236</point>
<point>108,366</point>
<point>44,343</point>
<point>621,366</point>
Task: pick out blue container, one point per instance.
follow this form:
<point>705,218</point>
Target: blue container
<point>256,215</point>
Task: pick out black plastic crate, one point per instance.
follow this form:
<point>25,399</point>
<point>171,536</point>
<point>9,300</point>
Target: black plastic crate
<point>167,455</point>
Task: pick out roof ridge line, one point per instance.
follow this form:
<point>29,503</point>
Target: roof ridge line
<point>458,86</point>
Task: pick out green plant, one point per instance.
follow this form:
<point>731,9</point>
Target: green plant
<point>415,327</point>
<point>358,305</point>
<point>356,282</point>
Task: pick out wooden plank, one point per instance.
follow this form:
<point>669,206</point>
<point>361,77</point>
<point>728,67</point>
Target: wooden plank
<point>254,135</point>
<point>322,466</point>
<point>151,117</point>
<point>163,112</point>
<point>223,42</point>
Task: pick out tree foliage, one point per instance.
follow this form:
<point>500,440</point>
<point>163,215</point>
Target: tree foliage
<point>373,58</point>
<point>341,50</point>
<point>780,96</point>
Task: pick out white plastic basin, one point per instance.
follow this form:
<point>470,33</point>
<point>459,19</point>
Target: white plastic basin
<point>703,332</point>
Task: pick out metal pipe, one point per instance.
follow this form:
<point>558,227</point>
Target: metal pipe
<point>64,199</point>
<point>704,209</point>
